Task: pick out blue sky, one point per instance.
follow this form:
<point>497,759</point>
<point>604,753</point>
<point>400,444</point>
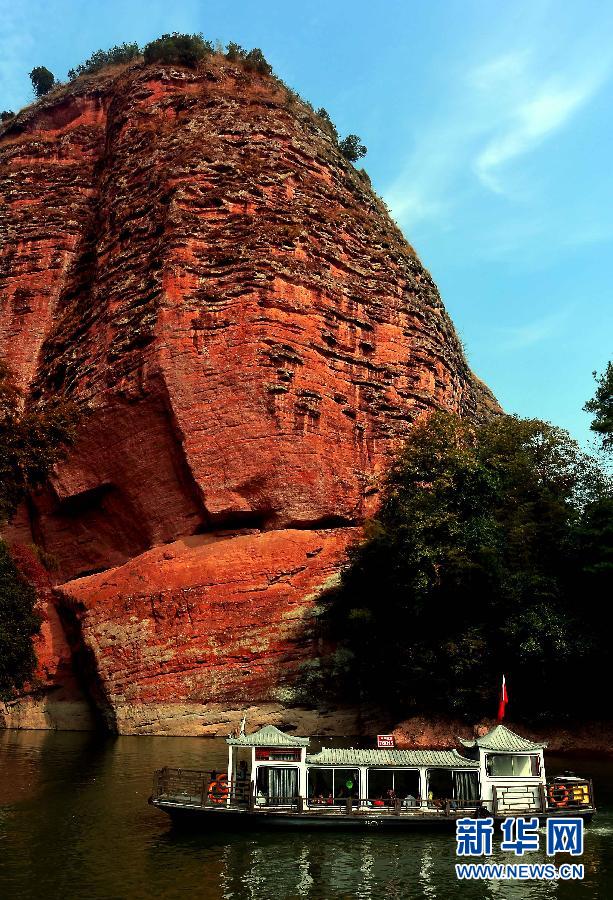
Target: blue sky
<point>489,131</point>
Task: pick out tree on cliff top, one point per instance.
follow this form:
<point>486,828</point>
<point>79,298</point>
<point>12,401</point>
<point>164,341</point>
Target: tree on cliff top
<point>182,49</point>
<point>42,80</point>
<point>474,567</point>
<point>121,53</point>
<point>32,440</point>
<point>601,405</point>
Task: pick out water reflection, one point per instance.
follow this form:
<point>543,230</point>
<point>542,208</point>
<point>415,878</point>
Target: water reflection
<point>74,823</point>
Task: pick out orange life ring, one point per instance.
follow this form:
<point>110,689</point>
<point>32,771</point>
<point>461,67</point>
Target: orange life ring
<point>558,794</point>
<point>218,789</point>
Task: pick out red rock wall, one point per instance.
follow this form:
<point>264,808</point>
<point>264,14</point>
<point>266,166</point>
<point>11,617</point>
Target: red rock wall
<point>189,255</point>
<point>204,625</point>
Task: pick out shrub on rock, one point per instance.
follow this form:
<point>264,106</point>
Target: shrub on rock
<point>42,80</point>
<point>182,49</point>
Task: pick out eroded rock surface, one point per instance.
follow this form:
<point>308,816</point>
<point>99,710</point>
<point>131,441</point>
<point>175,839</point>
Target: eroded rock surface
<point>189,256</point>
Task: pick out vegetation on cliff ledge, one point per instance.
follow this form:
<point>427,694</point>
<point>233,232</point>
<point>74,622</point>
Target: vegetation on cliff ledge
<point>189,50</point>
<point>18,625</point>
<point>42,80</point>
<point>32,439</point>
<point>492,553</point>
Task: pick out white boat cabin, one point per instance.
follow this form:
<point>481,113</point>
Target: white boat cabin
<point>500,770</point>
<point>511,770</point>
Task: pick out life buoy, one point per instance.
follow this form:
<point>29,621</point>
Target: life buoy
<point>218,789</point>
<point>558,794</point>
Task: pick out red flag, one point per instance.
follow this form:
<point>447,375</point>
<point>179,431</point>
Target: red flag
<point>504,699</point>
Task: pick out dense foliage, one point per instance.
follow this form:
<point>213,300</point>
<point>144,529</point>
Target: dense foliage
<point>182,49</point>
<point>255,61</point>
<point>18,624</point>
<point>42,80</point>
<point>32,439</point>
<point>352,148</point>
<point>6,114</point>
<point>121,53</point>
<point>492,553</point>
<point>601,405</point>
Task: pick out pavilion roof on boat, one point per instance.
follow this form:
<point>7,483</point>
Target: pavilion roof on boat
<point>502,739</point>
<point>444,759</point>
<point>268,736</point>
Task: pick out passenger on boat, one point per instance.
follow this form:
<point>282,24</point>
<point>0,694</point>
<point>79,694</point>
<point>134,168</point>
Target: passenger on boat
<point>409,801</point>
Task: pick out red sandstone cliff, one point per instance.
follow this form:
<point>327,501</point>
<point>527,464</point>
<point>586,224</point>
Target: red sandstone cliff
<point>190,257</point>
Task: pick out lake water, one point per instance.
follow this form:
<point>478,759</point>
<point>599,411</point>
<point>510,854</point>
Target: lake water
<point>75,823</point>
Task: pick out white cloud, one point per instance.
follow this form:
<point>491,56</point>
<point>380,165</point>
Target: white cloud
<point>528,124</point>
<point>496,112</point>
<point>541,329</point>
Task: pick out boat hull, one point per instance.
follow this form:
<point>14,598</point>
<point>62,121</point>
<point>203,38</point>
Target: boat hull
<point>229,819</point>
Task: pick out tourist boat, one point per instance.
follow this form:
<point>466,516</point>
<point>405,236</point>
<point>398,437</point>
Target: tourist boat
<point>271,780</point>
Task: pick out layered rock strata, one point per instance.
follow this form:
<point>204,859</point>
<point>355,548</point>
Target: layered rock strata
<point>189,256</point>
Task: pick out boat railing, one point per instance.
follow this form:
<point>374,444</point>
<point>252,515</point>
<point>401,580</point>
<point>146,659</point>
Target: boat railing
<point>190,787</point>
<point>195,788</point>
<point>398,806</point>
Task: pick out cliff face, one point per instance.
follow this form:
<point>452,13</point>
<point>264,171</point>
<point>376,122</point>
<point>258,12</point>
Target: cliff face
<point>189,256</point>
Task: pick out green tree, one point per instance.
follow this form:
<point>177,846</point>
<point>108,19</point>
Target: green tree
<point>601,406</point>
<point>255,61</point>
<point>32,439</point>
<point>352,148</point>
<point>181,49</point>
<point>469,571</point>
<point>18,624</point>
<point>234,52</point>
<point>121,53</point>
<point>42,80</point>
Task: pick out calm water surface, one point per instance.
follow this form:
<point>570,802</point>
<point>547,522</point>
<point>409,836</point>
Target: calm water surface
<point>75,823</point>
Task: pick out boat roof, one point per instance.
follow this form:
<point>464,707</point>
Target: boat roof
<point>502,738</point>
<point>268,736</point>
<point>443,759</point>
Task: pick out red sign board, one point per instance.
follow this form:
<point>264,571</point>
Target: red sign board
<point>385,740</point>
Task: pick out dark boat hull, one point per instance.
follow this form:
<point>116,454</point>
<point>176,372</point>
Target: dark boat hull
<point>228,819</point>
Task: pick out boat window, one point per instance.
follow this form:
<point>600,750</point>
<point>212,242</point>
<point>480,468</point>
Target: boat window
<point>385,783</point>
<point>346,783</point>
<point>500,765</point>
<point>332,785</point>
<point>440,784</point>
<point>277,784</point>
<point>321,784</point>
